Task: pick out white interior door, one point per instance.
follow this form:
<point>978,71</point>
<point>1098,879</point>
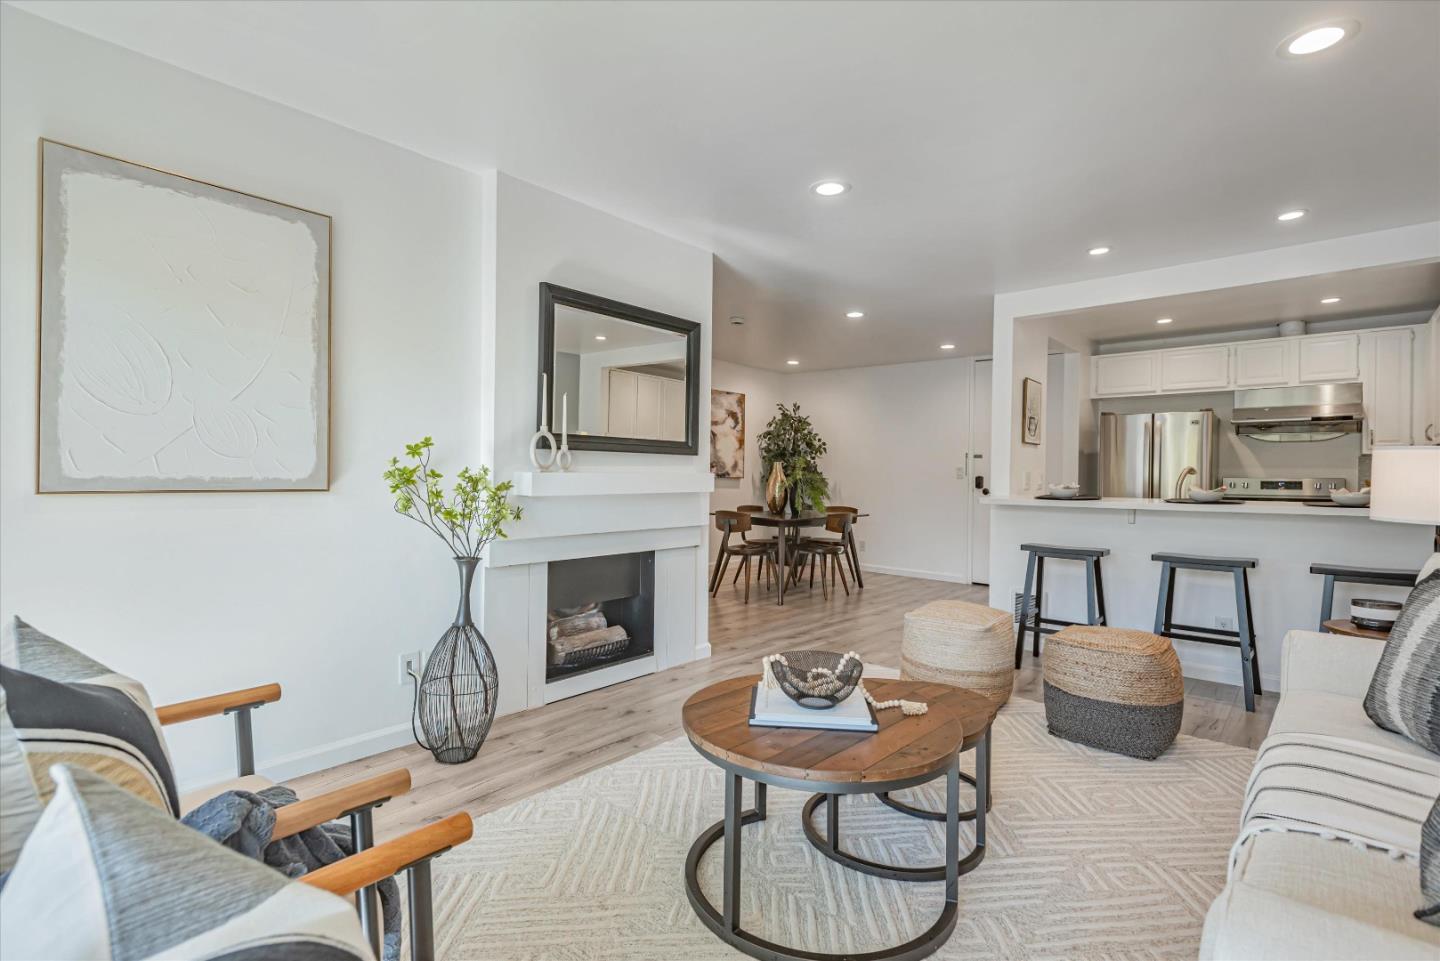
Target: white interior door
<point>980,471</point>
<point>620,403</point>
<point>673,406</point>
<point>647,406</point>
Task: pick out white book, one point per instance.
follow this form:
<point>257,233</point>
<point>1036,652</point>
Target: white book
<point>772,707</point>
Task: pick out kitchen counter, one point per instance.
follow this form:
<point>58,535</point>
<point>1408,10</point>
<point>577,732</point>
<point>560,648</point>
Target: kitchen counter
<point>1284,538</point>
<point>1250,508</point>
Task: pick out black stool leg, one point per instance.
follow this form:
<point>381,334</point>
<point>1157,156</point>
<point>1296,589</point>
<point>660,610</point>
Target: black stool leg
<point>1100,592</point>
<point>1162,602</point>
<point>1091,614</point>
<point>1327,602</point>
<point>1024,610</point>
<point>1246,630</point>
<point>1039,605</point>
<point>1254,641</point>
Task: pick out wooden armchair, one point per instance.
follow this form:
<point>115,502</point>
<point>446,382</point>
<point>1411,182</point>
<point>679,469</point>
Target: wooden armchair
<point>359,873</point>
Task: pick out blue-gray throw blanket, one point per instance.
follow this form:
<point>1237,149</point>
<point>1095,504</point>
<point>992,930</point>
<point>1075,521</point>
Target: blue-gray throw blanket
<point>242,821</point>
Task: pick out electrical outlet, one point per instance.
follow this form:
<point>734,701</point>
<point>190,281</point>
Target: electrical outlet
<point>861,544</point>
<point>1225,623</point>
<point>411,661</point>
<point>959,473</point>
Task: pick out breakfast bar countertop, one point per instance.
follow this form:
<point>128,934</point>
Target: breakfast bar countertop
<point>1251,508</point>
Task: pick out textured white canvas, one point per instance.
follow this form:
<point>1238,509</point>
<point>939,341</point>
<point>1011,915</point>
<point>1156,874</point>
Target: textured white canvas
<point>185,333</point>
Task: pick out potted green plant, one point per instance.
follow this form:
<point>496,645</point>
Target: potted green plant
<point>455,698</point>
<point>790,440</point>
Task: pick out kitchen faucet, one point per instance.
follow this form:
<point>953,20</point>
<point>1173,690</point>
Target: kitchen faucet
<point>1180,481</point>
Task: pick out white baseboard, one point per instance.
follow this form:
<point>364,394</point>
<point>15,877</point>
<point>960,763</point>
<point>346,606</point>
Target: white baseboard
<point>701,652</point>
<point>909,572</point>
<point>336,752</point>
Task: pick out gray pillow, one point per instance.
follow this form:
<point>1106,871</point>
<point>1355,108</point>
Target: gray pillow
<point>105,875</point>
<point>1404,694</point>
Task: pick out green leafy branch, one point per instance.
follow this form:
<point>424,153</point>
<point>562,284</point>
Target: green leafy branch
<point>472,516</point>
<point>791,440</point>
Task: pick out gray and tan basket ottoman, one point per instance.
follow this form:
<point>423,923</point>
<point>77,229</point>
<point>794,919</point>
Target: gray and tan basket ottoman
<point>956,642</point>
<point>1115,689</point>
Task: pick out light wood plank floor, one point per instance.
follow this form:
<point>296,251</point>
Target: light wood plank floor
<point>537,749</point>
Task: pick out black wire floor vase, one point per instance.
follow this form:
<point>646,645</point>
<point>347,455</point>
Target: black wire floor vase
<point>455,699</point>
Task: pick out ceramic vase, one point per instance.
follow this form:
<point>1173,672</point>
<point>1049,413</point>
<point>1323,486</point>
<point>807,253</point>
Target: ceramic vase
<point>775,489</point>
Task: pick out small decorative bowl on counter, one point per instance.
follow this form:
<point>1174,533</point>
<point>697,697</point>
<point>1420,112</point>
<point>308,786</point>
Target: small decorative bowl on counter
<point>1349,498</point>
<point>816,679</point>
<point>1064,490</point>
<point>1202,496</point>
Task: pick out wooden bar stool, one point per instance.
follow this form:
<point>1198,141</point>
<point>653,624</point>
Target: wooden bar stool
<point>1355,575</point>
<point>1035,577</point>
<point>738,522</point>
<point>1244,638</point>
<point>828,551</point>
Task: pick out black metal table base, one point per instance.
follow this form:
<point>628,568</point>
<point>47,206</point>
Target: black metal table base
<point>725,921</point>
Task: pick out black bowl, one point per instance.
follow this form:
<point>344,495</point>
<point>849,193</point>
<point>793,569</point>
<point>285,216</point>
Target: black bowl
<point>812,678</point>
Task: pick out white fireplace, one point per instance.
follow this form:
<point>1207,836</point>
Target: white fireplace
<point>571,524</point>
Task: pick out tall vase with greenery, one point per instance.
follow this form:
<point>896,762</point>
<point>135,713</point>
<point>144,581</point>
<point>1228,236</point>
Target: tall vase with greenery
<point>791,441</point>
<point>455,698</point>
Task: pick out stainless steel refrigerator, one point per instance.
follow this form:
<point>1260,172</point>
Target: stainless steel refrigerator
<point>1147,455</point>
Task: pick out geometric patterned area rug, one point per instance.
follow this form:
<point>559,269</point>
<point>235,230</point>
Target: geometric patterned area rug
<point>1090,855</point>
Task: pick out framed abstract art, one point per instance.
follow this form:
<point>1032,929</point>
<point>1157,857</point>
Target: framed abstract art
<point>184,339</point>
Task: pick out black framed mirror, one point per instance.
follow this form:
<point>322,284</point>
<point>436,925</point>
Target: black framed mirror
<point>622,377</point>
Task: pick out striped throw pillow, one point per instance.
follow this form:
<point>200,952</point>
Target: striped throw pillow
<point>1404,694</point>
<point>106,876</point>
<point>1430,867</point>
<point>60,706</point>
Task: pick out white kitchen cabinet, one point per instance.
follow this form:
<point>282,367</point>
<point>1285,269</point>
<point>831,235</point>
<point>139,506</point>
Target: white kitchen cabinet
<point>672,406</point>
<point>1386,359</point>
<point>1195,368</point>
<point>1115,375</point>
<point>1266,363</point>
<point>1329,359</point>
<point>644,406</point>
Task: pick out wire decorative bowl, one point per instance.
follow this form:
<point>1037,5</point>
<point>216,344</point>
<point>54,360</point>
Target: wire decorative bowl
<point>817,679</point>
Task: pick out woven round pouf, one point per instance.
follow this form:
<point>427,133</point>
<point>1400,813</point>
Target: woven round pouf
<point>956,642</point>
<point>1115,689</point>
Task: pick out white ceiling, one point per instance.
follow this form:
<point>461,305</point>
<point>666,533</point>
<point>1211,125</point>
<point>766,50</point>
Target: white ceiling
<point>990,144</point>
<point>576,330</point>
<point>1363,293</point>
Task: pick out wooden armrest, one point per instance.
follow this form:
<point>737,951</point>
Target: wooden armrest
<point>380,862</point>
<point>217,704</point>
<point>294,818</point>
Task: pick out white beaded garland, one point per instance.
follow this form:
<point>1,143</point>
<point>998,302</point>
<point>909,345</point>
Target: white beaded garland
<point>822,681</point>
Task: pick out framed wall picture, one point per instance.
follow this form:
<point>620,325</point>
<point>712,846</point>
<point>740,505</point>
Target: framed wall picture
<point>184,333</point>
<point>727,433</point>
<point>1032,411</point>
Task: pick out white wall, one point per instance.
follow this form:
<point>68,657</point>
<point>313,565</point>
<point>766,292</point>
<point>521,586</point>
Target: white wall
<point>897,436</point>
<point>199,593</point>
<point>763,389</point>
<point>539,236</point>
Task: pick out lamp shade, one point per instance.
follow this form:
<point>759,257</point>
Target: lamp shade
<point>1405,485</point>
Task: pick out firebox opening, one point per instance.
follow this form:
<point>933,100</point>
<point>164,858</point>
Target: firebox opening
<point>601,613</point>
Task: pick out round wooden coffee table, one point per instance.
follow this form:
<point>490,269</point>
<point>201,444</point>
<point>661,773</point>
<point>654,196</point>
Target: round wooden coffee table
<point>906,751</point>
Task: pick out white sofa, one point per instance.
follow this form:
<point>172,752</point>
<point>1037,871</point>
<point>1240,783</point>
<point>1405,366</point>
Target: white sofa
<point>1297,895</point>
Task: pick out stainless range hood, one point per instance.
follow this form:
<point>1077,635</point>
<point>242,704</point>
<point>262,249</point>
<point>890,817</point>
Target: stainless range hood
<point>1310,413</point>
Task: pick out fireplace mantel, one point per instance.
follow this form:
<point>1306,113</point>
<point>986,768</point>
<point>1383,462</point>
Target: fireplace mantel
<point>610,483</point>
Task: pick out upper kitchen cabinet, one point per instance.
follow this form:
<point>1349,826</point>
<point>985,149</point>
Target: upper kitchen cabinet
<point>1266,363</point>
<point>1195,368</point>
<point>1115,375</point>
<point>1386,359</point>
<point>1329,359</point>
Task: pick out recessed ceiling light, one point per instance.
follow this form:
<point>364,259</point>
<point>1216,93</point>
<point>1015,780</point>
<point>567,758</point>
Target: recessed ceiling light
<point>947,346</point>
<point>1330,300</point>
<point>1099,251</point>
<point>1292,214</point>
<point>1317,38</point>
<point>793,363</point>
<point>1164,320</point>
<point>599,336</point>
<point>855,314</point>
<point>830,188</point>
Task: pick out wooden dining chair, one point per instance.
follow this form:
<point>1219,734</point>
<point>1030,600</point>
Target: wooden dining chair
<point>738,522</point>
<point>854,513</point>
<point>827,552</point>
